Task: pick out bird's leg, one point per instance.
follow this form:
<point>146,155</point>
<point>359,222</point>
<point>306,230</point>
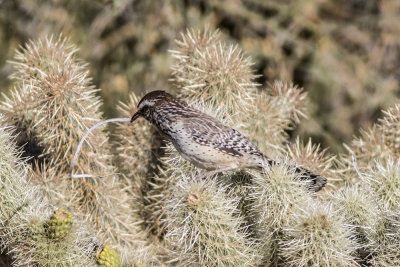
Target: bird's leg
<point>213,172</point>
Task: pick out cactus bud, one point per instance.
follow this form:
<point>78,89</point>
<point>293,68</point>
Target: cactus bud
<point>108,257</point>
<point>59,225</point>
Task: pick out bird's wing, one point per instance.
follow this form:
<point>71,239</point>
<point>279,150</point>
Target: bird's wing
<point>207,131</point>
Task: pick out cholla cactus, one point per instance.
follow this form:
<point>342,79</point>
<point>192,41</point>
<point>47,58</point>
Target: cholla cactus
<point>373,162</point>
<point>266,112</point>
<point>274,193</point>
<point>360,209</point>
<point>54,104</point>
<point>384,180</point>
<point>317,235</point>
<point>276,109</point>
<point>290,98</point>
<point>162,213</point>
<point>207,69</point>
<point>204,228</point>
<point>390,127</point>
<point>380,141</point>
<point>387,245</point>
<point>24,211</point>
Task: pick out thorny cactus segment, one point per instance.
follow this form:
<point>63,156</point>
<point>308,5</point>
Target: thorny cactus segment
<point>207,69</point>
<point>274,193</point>
<point>380,141</point>
<point>204,227</point>
<point>158,188</point>
<point>194,40</point>
<point>43,60</point>
<point>108,257</point>
<point>23,212</point>
<point>360,209</point>
<point>266,112</point>
<point>317,235</point>
<point>278,107</point>
<point>59,225</point>
<point>390,127</point>
<point>387,245</point>
<point>290,98</point>
<point>54,101</point>
<point>384,180</point>
<point>367,148</point>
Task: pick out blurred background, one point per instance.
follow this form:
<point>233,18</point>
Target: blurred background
<point>344,53</point>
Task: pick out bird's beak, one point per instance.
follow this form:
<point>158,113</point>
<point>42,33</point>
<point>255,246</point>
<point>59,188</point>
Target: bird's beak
<point>135,116</point>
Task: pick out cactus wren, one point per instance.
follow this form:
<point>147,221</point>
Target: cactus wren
<point>203,140</point>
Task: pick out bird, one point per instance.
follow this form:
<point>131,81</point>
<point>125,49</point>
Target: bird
<point>206,142</point>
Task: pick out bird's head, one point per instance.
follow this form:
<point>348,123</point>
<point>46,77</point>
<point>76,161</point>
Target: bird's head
<point>149,103</point>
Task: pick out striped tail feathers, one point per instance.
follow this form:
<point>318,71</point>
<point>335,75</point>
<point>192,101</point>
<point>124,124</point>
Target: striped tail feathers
<point>314,181</point>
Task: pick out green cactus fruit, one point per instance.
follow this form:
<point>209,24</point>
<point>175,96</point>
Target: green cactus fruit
<point>59,225</point>
<point>108,257</point>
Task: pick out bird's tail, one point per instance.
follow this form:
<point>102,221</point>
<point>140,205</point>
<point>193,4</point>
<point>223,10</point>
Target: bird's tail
<point>314,181</point>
